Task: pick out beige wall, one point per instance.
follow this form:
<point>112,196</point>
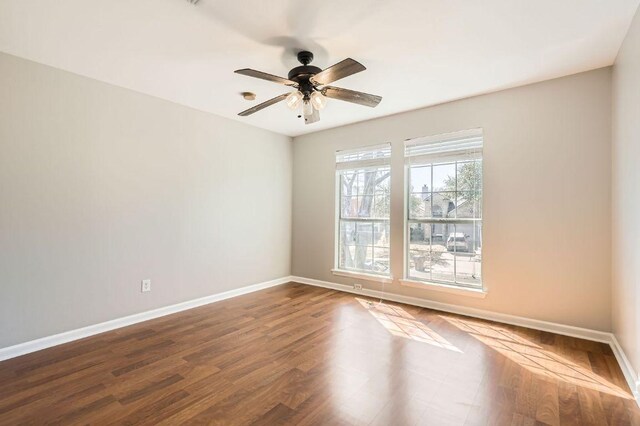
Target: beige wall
<point>626,195</point>
<point>101,187</point>
<point>547,169</point>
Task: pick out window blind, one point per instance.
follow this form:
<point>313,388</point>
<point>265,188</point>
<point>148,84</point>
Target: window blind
<point>464,144</point>
<point>365,157</point>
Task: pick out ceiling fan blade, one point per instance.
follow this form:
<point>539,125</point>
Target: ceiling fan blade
<point>313,118</point>
<point>266,76</point>
<point>263,105</point>
<point>335,72</point>
<point>351,96</point>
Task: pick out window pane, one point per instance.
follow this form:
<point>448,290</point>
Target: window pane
<point>419,264</point>
<point>381,205</point>
<point>469,176</point>
<point>441,259</point>
<point>381,260</point>
<point>381,234</point>
<point>444,177</point>
<point>383,180</point>
<point>348,183</point>
<point>438,233</point>
<point>366,194</point>
<point>347,244</point>
<point>418,206</point>
<point>428,257</point>
<point>349,206</point>
<point>468,205</point>
<point>367,182</point>
<point>347,232</point>
<point>449,253</point>
<point>381,247</point>
<point>420,179</point>
<point>364,233</point>
<point>382,195</point>
<point>443,205</point>
<point>365,206</point>
<point>347,256</point>
<point>355,246</point>
<point>357,183</point>
<point>419,250</point>
<point>469,256</point>
<point>364,258</point>
<point>364,246</point>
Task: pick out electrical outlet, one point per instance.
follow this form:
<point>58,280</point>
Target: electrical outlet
<point>357,286</point>
<point>146,286</point>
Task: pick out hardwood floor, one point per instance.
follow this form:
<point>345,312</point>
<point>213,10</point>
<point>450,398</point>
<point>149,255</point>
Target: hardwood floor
<point>296,354</point>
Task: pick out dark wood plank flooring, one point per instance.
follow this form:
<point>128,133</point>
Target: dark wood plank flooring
<point>296,354</point>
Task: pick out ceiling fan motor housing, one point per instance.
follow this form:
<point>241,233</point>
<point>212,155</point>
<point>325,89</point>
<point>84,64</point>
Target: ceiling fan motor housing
<point>302,74</point>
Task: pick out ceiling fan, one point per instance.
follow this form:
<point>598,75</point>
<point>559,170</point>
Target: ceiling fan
<point>312,87</point>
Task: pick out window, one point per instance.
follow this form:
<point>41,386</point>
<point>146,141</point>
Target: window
<point>444,209</point>
<point>364,197</point>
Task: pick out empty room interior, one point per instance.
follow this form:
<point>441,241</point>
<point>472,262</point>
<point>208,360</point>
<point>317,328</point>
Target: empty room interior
<point>270,212</point>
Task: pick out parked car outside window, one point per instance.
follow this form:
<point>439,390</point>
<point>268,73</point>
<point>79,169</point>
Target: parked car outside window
<point>458,241</point>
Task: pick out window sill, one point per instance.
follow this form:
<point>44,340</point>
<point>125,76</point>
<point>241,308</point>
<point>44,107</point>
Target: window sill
<point>470,292</point>
<point>362,275</point>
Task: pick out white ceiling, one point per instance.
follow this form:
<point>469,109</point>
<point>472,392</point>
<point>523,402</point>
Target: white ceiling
<point>418,52</point>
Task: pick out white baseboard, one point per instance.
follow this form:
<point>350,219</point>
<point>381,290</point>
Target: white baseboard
<point>80,333</point>
<point>627,369</point>
<point>566,330</point>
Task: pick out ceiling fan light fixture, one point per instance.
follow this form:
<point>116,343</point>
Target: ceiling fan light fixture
<point>294,99</point>
<point>318,100</point>
<point>307,108</point>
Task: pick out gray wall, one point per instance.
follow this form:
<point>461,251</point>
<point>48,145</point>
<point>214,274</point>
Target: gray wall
<point>626,195</point>
<point>547,182</point>
<point>101,187</point>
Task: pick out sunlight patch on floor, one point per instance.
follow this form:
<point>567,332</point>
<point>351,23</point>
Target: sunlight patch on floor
<point>536,359</point>
<point>402,324</point>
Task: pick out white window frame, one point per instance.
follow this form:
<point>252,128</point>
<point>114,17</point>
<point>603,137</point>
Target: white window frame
<point>358,159</point>
<point>450,147</point>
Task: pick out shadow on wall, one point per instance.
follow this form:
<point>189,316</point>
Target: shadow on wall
<point>259,20</point>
